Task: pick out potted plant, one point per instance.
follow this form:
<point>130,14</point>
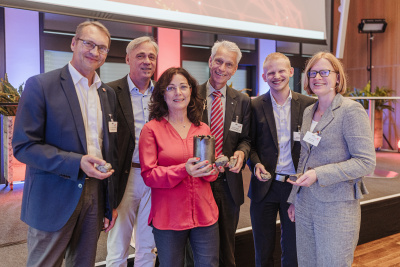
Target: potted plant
<point>10,95</point>
<point>380,105</point>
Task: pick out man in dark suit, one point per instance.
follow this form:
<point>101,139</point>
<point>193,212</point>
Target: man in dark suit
<point>133,93</point>
<point>64,126</point>
<point>228,188</point>
<point>275,148</point>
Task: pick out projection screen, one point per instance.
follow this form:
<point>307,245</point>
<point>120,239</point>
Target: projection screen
<point>286,20</point>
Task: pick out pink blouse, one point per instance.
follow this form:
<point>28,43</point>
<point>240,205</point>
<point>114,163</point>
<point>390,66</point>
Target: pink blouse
<point>178,200</point>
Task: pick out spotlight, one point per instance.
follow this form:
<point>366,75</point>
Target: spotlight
<point>372,26</point>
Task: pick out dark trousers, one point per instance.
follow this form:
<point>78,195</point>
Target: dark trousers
<point>263,220</point>
<point>228,220</point>
<point>171,246</point>
<point>77,239</point>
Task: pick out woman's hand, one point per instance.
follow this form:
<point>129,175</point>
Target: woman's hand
<point>290,212</point>
<point>196,169</point>
<point>307,179</point>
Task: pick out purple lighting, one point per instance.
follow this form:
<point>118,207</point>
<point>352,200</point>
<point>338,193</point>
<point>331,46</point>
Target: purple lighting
<point>22,44</point>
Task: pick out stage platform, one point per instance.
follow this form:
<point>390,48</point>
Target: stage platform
<point>380,218</point>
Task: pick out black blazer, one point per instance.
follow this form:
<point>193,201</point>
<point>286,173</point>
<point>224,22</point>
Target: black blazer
<point>264,138</point>
<point>237,105</point>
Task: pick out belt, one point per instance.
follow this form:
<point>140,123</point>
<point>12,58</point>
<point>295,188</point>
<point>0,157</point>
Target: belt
<point>135,165</point>
<point>281,177</point>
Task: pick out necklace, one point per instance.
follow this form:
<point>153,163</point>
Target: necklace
<point>179,124</point>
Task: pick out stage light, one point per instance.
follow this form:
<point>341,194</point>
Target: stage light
<point>372,26</point>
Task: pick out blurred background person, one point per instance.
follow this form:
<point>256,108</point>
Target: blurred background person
<point>337,150</point>
<point>183,206</point>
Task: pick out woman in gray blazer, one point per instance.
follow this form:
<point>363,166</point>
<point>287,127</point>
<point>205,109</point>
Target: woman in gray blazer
<point>337,150</point>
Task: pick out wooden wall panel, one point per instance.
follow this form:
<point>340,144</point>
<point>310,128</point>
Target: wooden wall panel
<point>385,53</point>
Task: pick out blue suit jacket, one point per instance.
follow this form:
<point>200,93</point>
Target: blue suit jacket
<point>49,136</point>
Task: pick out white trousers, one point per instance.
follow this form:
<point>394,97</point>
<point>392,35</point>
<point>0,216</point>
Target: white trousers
<point>133,213</point>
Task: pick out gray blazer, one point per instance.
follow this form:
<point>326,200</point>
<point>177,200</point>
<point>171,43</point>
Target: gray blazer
<point>343,156</point>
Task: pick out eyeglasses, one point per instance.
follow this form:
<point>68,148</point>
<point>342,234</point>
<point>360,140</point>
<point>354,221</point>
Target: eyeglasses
<point>322,73</point>
<point>90,45</point>
<point>183,88</point>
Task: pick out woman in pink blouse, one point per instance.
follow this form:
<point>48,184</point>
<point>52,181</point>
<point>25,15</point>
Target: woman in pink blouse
<point>182,203</point>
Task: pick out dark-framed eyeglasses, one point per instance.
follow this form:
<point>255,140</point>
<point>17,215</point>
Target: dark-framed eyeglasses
<point>322,73</point>
<point>90,45</point>
<point>183,88</point>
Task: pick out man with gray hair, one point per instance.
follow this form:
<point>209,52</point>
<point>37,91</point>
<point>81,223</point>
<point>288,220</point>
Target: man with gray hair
<point>133,94</point>
<point>227,111</point>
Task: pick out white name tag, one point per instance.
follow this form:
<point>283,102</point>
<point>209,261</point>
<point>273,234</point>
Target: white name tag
<point>112,126</point>
<point>312,138</point>
<point>296,136</point>
<point>236,127</point>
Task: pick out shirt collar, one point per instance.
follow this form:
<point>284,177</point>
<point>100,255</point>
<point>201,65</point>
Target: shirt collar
<point>132,86</point>
<point>77,76</point>
<point>287,101</point>
<point>211,89</point>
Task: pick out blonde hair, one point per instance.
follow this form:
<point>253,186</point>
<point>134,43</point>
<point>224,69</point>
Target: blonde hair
<point>337,67</point>
<point>275,56</point>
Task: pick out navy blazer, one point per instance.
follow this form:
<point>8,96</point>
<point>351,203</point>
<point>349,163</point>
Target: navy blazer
<point>237,106</point>
<point>49,137</point>
<point>264,138</point>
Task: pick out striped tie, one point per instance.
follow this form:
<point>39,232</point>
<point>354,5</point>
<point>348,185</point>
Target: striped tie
<point>217,122</point>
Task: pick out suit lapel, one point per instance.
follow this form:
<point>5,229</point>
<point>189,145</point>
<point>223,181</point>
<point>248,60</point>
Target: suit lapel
<point>269,115</point>
<point>69,89</point>
<point>230,106</point>
<point>124,98</point>
<point>203,95</point>
<point>328,114</point>
<point>105,108</point>
<point>294,117</point>
<point>307,119</point>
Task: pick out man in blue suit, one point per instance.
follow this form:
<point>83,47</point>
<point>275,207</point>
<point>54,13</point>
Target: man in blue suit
<point>65,125</point>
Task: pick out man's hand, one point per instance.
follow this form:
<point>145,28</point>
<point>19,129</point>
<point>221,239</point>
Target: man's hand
<point>307,179</point>
<point>259,170</point>
<point>240,157</point>
<point>107,225</point>
<point>87,165</point>
<point>290,212</point>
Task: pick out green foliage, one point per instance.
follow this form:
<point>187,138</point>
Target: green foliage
<point>379,92</point>
<point>9,94</point>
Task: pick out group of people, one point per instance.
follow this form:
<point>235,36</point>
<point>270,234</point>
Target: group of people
<point>69,123</point>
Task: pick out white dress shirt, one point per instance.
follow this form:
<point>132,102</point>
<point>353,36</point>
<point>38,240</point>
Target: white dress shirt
<point>92,114</point>
<point>140,106</point>
<point>282,117</point>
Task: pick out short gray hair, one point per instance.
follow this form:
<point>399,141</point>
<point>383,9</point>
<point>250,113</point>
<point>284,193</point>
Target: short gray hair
<point>140,40</point>
<point>230,46</point>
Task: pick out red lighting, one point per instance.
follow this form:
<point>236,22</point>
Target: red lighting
<point>398,146</point>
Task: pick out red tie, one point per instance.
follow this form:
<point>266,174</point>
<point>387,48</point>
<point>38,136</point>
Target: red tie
<point>217,122</point>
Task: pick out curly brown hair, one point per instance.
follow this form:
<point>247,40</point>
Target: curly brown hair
<point>158,107</point>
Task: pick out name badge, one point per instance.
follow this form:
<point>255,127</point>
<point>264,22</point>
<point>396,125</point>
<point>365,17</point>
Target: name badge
<point>312,138</point>
<point>296,136</point>
<point>236,127</point>
<point>112,126</point>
